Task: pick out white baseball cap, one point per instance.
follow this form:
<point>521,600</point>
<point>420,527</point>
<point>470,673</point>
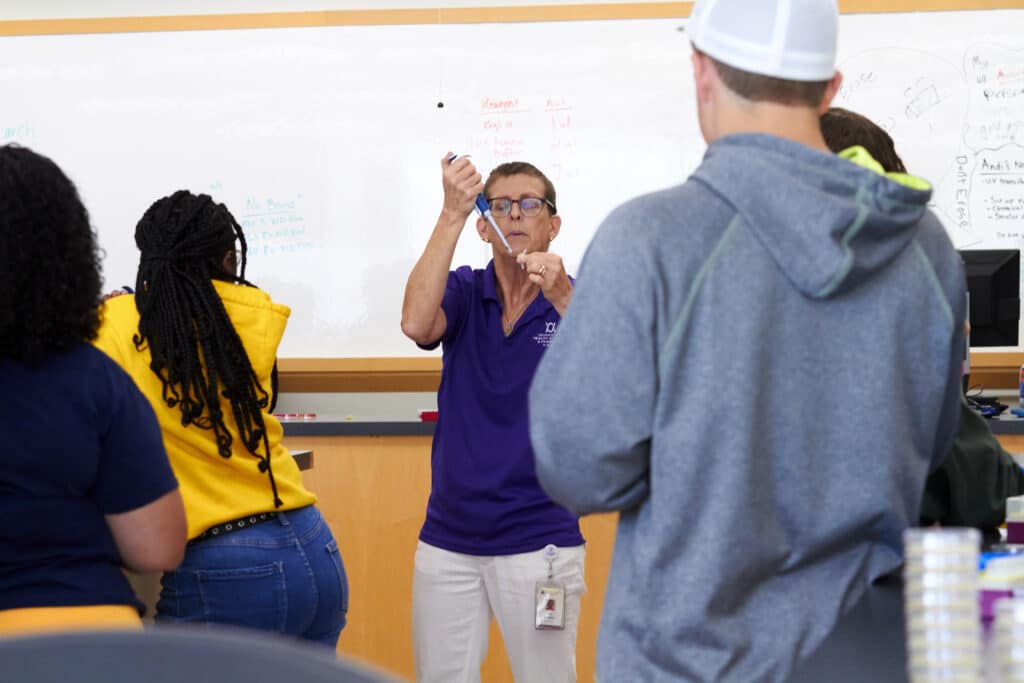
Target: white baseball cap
<point>790,39</point>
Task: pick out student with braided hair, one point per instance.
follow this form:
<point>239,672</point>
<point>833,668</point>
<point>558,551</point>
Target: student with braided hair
<point>201,342</point>
<point>85,485</point>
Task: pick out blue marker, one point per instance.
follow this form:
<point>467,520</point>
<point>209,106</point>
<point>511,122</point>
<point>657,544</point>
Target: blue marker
<point>485,211</point>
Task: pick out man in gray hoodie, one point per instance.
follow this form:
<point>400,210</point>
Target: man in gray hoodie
<point>820,290</point>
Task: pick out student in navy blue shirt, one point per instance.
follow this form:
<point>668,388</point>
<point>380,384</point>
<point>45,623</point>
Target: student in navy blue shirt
<point>493,543</point>
<point>85,485</point>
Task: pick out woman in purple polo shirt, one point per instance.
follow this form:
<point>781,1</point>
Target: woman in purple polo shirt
<point>493,542</point>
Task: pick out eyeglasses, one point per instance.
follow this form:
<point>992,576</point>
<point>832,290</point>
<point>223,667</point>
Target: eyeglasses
<point>528,206</point>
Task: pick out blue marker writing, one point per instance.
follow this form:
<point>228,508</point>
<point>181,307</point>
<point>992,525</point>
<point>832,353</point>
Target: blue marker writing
<point>485,211</point>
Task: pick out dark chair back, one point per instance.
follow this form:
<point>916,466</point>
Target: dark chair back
<point>164,654</point>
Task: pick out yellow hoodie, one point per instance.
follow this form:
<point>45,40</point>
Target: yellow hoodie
<point>215,489</point>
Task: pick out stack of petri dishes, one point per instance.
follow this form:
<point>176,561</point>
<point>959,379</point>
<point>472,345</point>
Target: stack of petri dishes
<point>940,601</point>
<point>1006,647</point>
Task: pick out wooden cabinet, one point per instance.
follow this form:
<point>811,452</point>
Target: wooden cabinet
<point>373,491</point>
<point>1014,443</point>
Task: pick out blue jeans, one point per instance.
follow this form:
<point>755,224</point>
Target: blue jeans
<point>284,575</point>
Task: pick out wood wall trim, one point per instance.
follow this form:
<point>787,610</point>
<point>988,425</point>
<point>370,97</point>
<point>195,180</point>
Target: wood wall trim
<point>996,370</point>
<point>588,12</point>
<point>997,359</point>
<point>992,370</point>
<point>438,15</point>
<point>378,17</point>
<point>300,375</point>
<point>885,6</point>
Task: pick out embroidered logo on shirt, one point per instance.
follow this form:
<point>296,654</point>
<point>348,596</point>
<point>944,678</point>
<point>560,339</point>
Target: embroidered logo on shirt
<point>544,338</point>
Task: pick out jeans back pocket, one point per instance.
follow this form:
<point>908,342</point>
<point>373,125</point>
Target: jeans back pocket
<point>254,597</point>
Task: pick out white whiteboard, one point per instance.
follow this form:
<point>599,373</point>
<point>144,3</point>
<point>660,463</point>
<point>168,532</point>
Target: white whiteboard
<point>325,142</point>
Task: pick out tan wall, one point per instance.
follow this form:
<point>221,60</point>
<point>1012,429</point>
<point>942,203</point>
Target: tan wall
<point>373,492</point>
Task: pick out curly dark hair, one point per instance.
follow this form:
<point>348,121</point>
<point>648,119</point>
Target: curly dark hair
<point>843,128</point>
<point>194,349</point>
<point>50,270</point>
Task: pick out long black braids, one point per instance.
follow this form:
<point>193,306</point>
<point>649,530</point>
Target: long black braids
<point>195,350</point>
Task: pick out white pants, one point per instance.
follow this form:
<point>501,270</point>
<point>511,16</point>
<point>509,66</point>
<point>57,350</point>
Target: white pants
<point>454,596</point>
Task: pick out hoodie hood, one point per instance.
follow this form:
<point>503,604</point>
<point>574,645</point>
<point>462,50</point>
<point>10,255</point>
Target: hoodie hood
<point>835,224</point>
<point>259,322</point>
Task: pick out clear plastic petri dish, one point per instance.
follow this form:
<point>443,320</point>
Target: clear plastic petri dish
<point>918,539</point>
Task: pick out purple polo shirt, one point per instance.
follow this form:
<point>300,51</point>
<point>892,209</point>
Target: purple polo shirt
<point>485,498</point>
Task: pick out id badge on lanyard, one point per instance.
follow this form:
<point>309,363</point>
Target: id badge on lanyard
<point>550,596</point>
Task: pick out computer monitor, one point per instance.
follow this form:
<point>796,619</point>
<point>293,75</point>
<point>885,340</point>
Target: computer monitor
<point>993,288</point>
